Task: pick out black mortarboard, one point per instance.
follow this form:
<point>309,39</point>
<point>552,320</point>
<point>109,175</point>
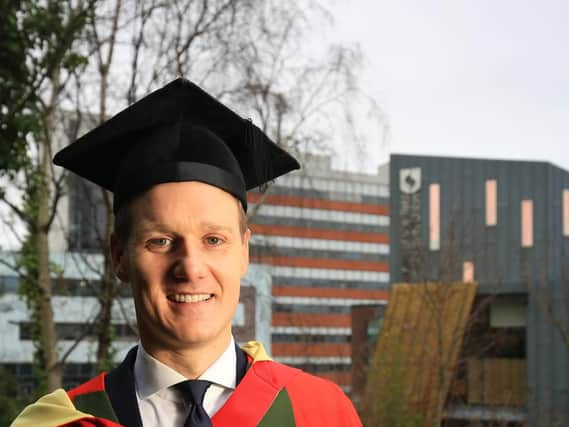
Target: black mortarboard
<point>177,133</point>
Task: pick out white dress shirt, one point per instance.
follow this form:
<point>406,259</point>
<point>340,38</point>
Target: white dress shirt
<point>163,406</point>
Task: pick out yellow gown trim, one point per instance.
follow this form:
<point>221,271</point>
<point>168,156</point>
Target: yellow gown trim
<point>51,410</point>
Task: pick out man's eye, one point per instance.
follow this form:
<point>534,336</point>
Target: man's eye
<point>160,242</point>
<point>213,240</point>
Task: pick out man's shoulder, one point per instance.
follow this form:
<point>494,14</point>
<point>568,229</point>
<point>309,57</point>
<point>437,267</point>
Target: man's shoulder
<point>309,394</point>
<point>274,371</point>
<point>58,409</point>
<point>305,381</point>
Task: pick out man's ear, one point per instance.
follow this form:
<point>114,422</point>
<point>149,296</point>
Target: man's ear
<point>245,256</point>
<point>118,258</point>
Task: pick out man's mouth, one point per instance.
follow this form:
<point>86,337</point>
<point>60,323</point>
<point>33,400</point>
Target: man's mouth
<point>185,298</point>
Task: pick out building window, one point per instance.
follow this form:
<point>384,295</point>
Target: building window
<point>491,202</point>
<point>434,217</point>
<point>566,212</point>
<point>468,272</point>
<point>527,223</point>
<point>73,331</point>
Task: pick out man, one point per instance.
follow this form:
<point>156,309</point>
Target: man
<point>179,164</point>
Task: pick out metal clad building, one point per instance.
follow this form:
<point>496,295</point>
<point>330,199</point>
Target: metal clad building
<point>504,224</point>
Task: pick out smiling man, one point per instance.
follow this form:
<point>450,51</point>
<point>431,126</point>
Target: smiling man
<point>179,164</point>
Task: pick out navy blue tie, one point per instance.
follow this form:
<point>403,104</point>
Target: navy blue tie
<point>195,390</point>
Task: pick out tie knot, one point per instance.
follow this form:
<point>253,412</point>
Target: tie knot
<point>194,389</point>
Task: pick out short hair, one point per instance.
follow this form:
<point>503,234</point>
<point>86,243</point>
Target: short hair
<point>123,221</point>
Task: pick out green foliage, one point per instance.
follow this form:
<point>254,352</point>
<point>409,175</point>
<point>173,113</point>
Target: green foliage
<point>108,362</point>
<point>17,103</point>
<point>36,39</point>
<point>10,403</point>
<point>28,286</point>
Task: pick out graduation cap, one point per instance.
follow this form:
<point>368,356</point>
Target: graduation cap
<point>176,133</point>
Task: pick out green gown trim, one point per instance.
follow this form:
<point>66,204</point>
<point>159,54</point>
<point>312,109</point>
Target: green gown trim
<point>280,413</point>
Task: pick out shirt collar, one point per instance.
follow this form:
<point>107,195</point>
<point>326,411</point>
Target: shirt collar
<point>152,376</point>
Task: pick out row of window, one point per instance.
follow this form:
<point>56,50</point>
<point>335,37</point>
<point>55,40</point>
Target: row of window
<point>328,301</point>
<point>331,184</point>
<point>279,338</point>
<point>329,195</point>
<point>331,274</point>
<point>306,308</point>
<point>73,374</point>
<point>320,244</point>
<point>63,286</point>
<point>307,223</point>
<point>324,215</point>
<point>293,252</point>
<point>325,282</point>
<point>73,331</point>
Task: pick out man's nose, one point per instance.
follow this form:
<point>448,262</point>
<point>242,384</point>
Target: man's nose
<point>190,265</point>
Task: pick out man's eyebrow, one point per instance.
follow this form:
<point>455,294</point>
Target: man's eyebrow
<point>211,226</point>
<point>149,225</point>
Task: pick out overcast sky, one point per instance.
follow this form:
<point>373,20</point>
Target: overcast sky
<point>478,78</point>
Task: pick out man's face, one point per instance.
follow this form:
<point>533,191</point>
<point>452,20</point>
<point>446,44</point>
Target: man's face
<point>184,258</point>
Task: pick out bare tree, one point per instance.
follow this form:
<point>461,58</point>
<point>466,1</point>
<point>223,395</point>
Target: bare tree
<point>249,55</point>
<point>103,46</point>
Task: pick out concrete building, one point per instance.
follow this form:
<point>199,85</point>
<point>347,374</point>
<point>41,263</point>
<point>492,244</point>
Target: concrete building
<point>324,234</point>
<point>505,225</point>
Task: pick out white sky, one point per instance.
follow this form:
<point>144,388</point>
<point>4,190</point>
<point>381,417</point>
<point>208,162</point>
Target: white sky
<point>473,78</point>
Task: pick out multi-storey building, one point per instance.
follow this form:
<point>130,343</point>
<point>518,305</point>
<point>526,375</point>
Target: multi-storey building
<point>504,225</point>
<point>324,234</point>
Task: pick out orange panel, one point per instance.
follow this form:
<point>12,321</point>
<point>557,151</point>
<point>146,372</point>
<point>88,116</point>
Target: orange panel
<point>312,319</point>
<point>566,212</point>
<point>467,271</point>
<point>300,349</point>
<point>301,291</point>
<point>491,202</point>
<point>434,217</point>
<point>316,233</point>
<point>338,264</point>
<point>305,202</point>
<point>527,223</point>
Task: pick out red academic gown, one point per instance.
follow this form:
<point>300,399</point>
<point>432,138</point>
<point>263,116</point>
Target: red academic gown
<point>269,394</point>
